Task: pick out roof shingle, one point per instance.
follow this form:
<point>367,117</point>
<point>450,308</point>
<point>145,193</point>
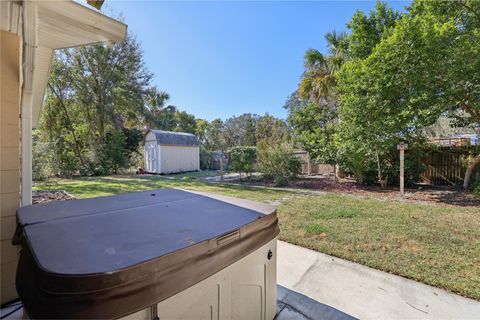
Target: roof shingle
<point>176,138</point>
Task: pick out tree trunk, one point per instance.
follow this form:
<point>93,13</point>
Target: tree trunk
<point>471,167</point>
<point>221,169</point>
<point>70,125</point>
<point>101,127</point>
<point>383,183</point>
<point>335,172</point>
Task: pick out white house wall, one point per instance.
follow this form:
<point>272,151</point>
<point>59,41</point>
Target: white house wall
<point>179,159</point>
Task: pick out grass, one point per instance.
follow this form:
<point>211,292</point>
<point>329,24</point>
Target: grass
<point>436,245</point>
<point>193,175</point>
<point>87,187</point>
<point>433,244</point>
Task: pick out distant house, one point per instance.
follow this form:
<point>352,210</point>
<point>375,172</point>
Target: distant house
<point>473,137</point>
<point>458,140</point>
<point>171,152</point>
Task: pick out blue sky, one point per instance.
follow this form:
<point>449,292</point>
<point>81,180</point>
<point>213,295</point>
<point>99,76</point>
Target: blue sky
<point>218,59</point>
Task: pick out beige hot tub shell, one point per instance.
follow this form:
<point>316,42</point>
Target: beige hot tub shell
<point>245,288</point>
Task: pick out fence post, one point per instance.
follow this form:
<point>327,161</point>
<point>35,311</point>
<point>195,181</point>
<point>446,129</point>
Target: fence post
<point>402,147</point>
<point>221,168</point>
<point>309,164</point>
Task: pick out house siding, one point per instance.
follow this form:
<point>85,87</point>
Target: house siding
<point>10,158</point>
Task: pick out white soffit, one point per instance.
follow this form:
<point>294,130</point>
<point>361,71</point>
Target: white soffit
<point>65,24</point>
<point>57,25</point>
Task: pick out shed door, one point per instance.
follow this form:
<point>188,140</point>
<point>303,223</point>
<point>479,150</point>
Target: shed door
<point>151,157</point>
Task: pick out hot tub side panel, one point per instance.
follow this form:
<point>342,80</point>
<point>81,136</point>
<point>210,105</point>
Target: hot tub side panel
<point>245,290</point>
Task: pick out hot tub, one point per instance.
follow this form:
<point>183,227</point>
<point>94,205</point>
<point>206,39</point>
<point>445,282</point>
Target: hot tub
<point>166,253</point>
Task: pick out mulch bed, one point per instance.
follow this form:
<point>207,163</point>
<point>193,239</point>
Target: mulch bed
<point>443,195</point>
<point>44,196</point>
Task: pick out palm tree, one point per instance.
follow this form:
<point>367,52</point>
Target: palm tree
<point>155,106</point>
<point>156,100</point>
<point>318,80</point>
<point>318,83</point>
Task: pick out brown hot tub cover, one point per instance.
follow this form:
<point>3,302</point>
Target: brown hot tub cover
<point>110,256</point>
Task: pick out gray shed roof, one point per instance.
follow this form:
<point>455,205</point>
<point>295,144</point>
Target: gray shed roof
<point>175,138</point>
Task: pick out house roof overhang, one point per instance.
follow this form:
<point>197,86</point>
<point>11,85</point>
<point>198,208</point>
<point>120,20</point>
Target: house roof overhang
<point>49,25</point>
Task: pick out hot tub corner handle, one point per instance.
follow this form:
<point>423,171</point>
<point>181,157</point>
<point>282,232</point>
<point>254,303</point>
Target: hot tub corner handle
<point>227,238</point>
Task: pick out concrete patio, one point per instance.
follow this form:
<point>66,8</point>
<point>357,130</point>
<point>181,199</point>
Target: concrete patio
<point>366,293</point>
<point>292,305</point>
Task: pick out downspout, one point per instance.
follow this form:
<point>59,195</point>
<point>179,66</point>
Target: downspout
<point>26,148</point>
<point>30,42</point>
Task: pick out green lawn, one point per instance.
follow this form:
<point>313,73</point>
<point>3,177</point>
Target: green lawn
<point>103,186</point>
<point>429,243</point>
<point>433,244</point>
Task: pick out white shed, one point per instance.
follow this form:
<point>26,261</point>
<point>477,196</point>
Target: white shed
<point>171,152</point>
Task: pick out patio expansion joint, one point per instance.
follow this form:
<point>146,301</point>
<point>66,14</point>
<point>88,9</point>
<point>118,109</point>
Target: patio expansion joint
<point>287,306</point>
<point>306,273</point>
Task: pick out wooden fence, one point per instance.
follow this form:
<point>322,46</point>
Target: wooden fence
<point>442,166</point>
<point>446,166</point>
<point>310,167</point>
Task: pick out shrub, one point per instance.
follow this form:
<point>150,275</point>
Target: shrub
<point>210,159</point>
<point>278,163</point>
<point>476,191</point>
<point>63,161</point>
<point>475,188</point>
<point>207,159</point>
<point>119,152</point>
<point>242,159</point>
<point>364,168</point>
<point>280,181</point>
<point>40,158</point>
<point>114,154</point>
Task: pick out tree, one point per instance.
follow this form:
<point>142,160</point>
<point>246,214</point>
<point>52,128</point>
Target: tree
<point>240,130</point>
<point>315,127</point>
<point>368,31</point>
<point>272,130</point>
<point>426,67</point>
<point>249,129</point>
<point>114,155</point>
<point>242,159</point>
<point>278,162</point>
<point>318,81</point>
<point>458,24</point>
<point>155,103</point>
<point>201,126</point>
<point>315,123</point>
<point>109,82</point>
<point>185,122</point>
<point>213,135</point>
<point>93,92</point>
